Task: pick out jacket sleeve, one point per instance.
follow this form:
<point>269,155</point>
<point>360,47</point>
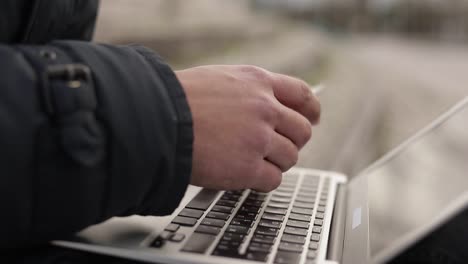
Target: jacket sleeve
<point>87,132</point>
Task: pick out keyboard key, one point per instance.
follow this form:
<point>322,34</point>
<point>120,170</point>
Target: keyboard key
<point>289,183</point>
<point>311,254</point>
<point>321,209</point>
<point>299,217</point>
<point>258,192</point>
<point>322,203</point>
<point>249,209</point>
<point>315,237</point>
<point>295,231</point>
<point>280,199</point>
<point>213,230</point>
<point>231,197</point>
<point>254,203</point>
<point>213,222</point>
<point>283,194</point>
<point>311,178</point>
<point>233,237</point>
<point>293,239</point>
<point>290,176</point>
<point>305,199</point>
<point>222,209</point>
<point>278,205</point>
<point>227,203</point>
<point>309,189</point>
<point>275,217</point>
<point>187,212</point>
<point>218,215</point>
<point>319,215</point>
<point>172,227</point>
<point>285,257</point>
<point>304,211</point>
<point>286,189</point>
<point>310,183</point>
<point>318,222</point>
<point>257,196</point>
<point>291,247</point>
<point>242,222</point>
<point>304,205</point>
<point>246,215</point>
<point>268,231</point>
<point>225,251</point>
<point>295,223</point>
<point>307,195</point>
<point>203,199</point>
<point>241,191</point>
<point>165,235</point>
<point>311,194</point>
<point>177,237</point>
<point>316,229</point>
<point>313,245</point>
<point>184,221</point>
<point>270,223</point>
<point>272,210</point>
<point>198,243</point>
<point>263,239</point>
<point>256,256</point>
<point>237,229</point>
<point>230,244</point>
<point>258,247</point>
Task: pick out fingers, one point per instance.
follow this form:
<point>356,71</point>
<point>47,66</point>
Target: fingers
<point>268,178</point>
<point>282,152</point>
<point>296,94</point>
<point>282,155</point>
<point>294,126</point>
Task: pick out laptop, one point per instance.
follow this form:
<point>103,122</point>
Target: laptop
<point>313,216</point>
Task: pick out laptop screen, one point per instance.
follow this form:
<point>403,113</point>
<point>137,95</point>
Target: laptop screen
<point>413,187</point>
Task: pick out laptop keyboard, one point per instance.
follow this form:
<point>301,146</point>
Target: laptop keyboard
<point>284,225</point>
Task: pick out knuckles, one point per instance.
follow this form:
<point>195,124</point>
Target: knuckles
<point>256,73</point>
<point>313,105</point>
<point>260,140</point>
<point>293,157</point>
<point>304,135</point>
<point>265,108</point>
<point>317,111</point>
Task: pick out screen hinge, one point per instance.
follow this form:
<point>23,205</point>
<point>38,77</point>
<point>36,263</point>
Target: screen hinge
<point>337,230</point>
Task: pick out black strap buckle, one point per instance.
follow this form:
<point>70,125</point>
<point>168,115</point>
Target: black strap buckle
<point>72,75</point>
<point>69,72</point>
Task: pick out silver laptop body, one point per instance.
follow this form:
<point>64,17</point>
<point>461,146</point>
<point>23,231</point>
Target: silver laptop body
<point>314,216</point>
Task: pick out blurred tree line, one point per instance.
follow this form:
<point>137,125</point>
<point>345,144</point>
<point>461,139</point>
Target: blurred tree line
<point>426,18</point>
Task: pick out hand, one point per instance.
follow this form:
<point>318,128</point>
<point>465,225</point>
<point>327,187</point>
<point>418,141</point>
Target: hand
<point>249,125</point>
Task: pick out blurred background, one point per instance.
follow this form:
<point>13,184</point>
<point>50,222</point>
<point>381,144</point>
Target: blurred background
<point>389,66</point>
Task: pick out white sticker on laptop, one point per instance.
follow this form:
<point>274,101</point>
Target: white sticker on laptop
<point>356,217</point>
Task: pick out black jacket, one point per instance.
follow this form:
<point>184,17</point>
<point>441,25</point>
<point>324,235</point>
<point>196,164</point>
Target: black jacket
<point>87,131</point>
